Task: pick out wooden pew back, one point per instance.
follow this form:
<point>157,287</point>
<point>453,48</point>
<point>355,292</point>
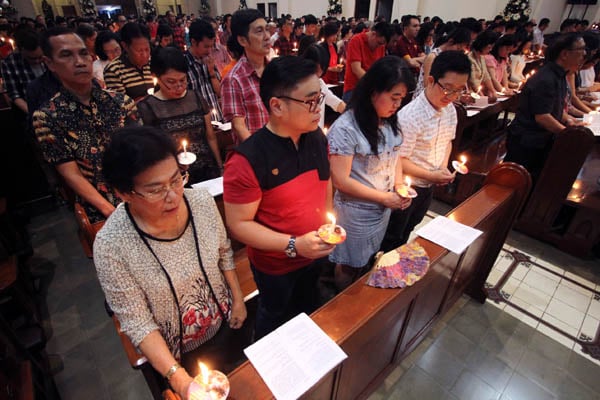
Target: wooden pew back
<point>379,327</point>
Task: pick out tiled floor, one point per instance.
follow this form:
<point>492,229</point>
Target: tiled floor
<point>476,352</point>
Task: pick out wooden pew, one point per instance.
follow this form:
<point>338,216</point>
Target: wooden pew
<point>377,328</point>
<point>564,207</point>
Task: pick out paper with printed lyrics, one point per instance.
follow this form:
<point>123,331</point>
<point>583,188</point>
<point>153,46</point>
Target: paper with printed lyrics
<point>214,186</point>
<point>449,234</point>
<point>294,357</point>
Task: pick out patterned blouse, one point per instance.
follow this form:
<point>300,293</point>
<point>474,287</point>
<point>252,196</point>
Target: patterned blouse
<point>184,119</point>
<point>138,291</point>
<point>68,130</point>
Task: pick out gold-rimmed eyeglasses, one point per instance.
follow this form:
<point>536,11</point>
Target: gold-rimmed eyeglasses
<point>161,193</point>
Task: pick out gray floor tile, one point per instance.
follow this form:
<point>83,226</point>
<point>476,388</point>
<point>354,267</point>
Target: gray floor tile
<point>490,368</point>
<point>441,365</point>
<point>416,384</point>
<point>469,327</point>
<point>584,371</point>
<point>550,349</point>
<point>542,371</point>
<point>521,388</point>
<point>470,387</point>
<point>571,389</point>
<point>505,347</point>
<point>455,343</point>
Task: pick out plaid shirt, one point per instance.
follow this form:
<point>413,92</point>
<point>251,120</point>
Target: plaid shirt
<point>241,96</point>
<point>17,74</point>
<point>199,80</point>
<point>285,46</point>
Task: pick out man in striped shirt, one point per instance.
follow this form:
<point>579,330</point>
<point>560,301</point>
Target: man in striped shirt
<point>428,125</point>
<point>203,75</point>
<point>130,73</point>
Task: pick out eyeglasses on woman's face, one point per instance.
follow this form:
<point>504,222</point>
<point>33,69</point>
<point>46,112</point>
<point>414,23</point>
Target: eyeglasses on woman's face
<point>160,193</point>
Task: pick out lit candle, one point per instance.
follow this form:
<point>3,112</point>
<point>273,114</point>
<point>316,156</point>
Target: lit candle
<point>185,157</point>
<point>479,90</point>
<point>151,90</point>
<point>540,52</point>
<point>185,47</point>
<point>325,131</point>
<point>405,190</point>
<point>532,72</point>
<point>295,46</point>
<point>212,385</point>
<point>12,43</point>
<point>460,167</point>
<point>214,115</point>
<point>332,233</point>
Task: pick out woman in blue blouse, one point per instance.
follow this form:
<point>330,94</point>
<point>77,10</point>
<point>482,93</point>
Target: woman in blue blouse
<point>364,145</point>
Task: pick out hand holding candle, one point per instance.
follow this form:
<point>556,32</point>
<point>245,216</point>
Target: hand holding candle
<point>185,158</point>
<point>405,190</point>
<point>460,167</point>
<point>209,385</point>
<point>332,233</point>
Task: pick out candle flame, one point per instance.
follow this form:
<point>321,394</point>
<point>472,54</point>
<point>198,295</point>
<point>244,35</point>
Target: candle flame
<point>331,218</point>
<point>203,372</point>
<point>325,131</point>
<point>184,144</point>
<point>155,81</point>
<point>407,181</point>
<point>463,160</point>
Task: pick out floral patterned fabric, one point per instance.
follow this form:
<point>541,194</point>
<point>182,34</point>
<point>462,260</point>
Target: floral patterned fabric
<point>68,130</point>
<point>138,291</point>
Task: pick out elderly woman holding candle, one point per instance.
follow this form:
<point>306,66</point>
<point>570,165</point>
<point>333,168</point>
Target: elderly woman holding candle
<point>364,145</point>
<point>165,263</point>
<point>182,113</point>
<point>480,77</point>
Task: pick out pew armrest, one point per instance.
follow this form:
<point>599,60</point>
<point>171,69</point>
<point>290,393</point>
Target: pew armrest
<point>136,359</point>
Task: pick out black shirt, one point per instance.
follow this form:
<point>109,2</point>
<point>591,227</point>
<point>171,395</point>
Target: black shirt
<point>544,93</point>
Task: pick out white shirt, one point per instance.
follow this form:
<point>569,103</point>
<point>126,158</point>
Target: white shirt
<point>588,77</point>
<point>428,134</point>
<point>517,65</point>
<point>538,37</point>
<point>330,99</point>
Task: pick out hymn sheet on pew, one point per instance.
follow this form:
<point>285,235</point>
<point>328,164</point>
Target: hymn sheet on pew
<point>449,234</point>
<point>294,357</point>
<point>214,186</point>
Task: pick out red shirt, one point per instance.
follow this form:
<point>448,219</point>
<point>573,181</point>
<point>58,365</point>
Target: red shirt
<point>330,76</point>
<point>358,50</point>
<point>291,185</point>
<point>406,47</point>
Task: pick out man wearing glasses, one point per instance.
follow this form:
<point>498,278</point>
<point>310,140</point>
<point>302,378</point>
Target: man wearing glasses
<point>76,124</point>
<point>543,105</point>
<point>428,125</point>
<point>277,191</point>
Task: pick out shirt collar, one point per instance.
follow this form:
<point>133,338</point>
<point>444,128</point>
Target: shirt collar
<point>430,111</point>
<point>245,67</point>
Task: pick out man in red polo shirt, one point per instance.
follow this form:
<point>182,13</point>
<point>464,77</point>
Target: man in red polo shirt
<point>363,50</point>
<point>406,47</point>
<point>277,191</point>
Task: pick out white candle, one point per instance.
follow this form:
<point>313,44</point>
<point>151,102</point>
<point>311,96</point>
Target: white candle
<point>214,385</point>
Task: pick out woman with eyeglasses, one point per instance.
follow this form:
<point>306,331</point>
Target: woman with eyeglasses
<point>165,263</point>
<point>364,146</point>
<point>182,113</point>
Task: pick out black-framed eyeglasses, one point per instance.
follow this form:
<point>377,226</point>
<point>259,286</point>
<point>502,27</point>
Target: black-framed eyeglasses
<point>450,92</point>
<point>161,193</point>
<point>312,104</point>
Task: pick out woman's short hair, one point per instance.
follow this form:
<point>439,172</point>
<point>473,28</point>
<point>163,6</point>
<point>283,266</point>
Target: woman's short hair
<point>383,75</point>
<point>103,38</point>
<point>132,30</point>
<point>164,30</point>
<point>167,58</point>
<point>484,39</point>
<point>503,41</point>
<point>133,150</point>
<point>318,55</point>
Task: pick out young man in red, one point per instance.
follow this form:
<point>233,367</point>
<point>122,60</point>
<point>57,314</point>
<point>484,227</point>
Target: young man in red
<point>277,191</point>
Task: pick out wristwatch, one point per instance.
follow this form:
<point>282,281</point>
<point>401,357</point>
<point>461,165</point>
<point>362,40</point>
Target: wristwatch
<point>290,250</point>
